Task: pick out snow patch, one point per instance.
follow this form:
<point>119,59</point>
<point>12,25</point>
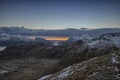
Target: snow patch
<point>45,77</point>
<point>95,73</point>
<point>63,75</point>
<point>2,48</point>
<point>3,71</point>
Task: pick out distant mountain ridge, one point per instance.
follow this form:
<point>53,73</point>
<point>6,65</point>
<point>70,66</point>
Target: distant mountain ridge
<point>19,35</point>
<point>58,32</point>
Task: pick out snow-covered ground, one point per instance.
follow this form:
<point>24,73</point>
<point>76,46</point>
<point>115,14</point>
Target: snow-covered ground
<point>44,77</point>
<point>3,71</point>
<point>106,41</point>
<point>2,48</point>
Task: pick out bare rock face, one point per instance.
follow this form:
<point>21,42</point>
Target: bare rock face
<point>116,62</point>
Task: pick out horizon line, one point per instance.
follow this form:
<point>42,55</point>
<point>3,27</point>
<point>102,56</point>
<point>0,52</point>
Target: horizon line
<point>83,28</point>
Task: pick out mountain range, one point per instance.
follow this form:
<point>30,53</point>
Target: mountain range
<point>85,59</point>
<point>19,35</point>
<point>59,32</point>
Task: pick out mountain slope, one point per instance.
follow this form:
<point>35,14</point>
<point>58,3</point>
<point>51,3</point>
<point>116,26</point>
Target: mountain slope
<point>98,68</point>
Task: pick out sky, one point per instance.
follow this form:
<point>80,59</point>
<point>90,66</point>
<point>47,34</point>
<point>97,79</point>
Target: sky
<point>60,14</point>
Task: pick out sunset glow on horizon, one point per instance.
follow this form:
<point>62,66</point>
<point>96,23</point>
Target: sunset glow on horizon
<point>56,38</point>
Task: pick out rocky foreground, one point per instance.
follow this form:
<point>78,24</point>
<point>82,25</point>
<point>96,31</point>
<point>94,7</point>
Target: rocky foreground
<point>98,68</point>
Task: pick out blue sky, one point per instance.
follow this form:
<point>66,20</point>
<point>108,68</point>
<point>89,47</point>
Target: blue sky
<point>59,14</point>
